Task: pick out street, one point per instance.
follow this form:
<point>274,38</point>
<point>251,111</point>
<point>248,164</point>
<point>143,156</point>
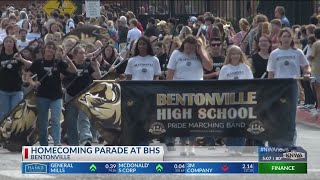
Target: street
<point>308,138</point>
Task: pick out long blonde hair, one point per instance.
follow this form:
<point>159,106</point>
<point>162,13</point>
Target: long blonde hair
<point>243,58</point>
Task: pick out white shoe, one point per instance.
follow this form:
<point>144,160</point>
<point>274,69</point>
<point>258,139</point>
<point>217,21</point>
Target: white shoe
<point>315,112</point>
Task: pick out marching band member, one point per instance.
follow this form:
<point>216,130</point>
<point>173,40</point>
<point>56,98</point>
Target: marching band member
<point>217,57</point>
<point>260,59</point>
<point>10,76</point>
<point>187,63</point>
<point>49,91</point>
<point>236,67</point>
<point>143,65</point>
<point>286,62</point>
<point>79,81</point>
<point>109,56</point>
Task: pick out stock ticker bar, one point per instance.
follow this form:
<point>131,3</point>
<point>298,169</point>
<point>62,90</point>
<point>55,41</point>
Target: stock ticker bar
<point>163,167</point>
<point>139,168</point>
<point>149,160</point>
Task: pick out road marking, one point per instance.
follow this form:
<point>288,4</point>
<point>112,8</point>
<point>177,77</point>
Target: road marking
<point>17,174</point>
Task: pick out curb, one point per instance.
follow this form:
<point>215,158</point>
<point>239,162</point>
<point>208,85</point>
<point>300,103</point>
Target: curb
<point>305,116</point>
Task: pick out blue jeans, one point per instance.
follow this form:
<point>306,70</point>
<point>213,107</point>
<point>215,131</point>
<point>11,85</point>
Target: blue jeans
<point>8,101</point>
<point>73,118</point>
<point>43,106</point>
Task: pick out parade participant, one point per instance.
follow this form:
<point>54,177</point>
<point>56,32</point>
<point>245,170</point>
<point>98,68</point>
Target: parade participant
<point>160,53</point>
<point>218,59</point>
<point>35,31</point>
<point>275,29</point>
<point>131,16</point>
<point>209,20</point>
<point>185,31</point>
<point>57,38</point>
<point>54,27</point>
<point>69,23</point>
<point>260,59</point>
<point>26,25</point>
<point>315,67</point>
<point>235,62</point>
<point>67,44</point>
<point>84,77</point>
<point>109,56</point>
<point>286,62</point>
<point>236,67</point>
<point>122,31</point>
<point>187,63</point>
<point>143,65</point>
<point>152,29</point>
<point>188,50</point>
<point>16,29</point>
<point>48,38</point>
<point>10,30</point>
<point>49,91</point>
<point>241,38</point>
<point>10,76</point>
<point>134,33</point>
<point>280,13</point>
<point>23,41</point>
<point>258,19</point>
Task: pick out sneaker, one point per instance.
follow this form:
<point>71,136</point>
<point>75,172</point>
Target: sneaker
<point>315,112</point>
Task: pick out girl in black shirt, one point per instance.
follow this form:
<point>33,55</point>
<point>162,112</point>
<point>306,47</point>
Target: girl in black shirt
<point>49,91</point>
<point>10,76</point>
<point>260,59</point>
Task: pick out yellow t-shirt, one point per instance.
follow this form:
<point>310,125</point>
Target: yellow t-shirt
<point>315,62</point>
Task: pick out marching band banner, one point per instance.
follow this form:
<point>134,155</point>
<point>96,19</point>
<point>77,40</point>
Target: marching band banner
<point>258,109</point>
<point>101,103</point>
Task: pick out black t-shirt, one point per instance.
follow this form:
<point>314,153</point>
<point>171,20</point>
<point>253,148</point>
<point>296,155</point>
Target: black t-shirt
<point>152,31</point>
<point>162,60</point>
<point>218,62</point>
<point>51,85</point>
<point>259,65</point>
<point>82,79</point>
<point>10,73</point>
<point>304,42</point>
<point>122,33</point>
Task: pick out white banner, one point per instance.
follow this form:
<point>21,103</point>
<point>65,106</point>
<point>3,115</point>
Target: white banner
<point>92,8</point>
<point>92,153</point>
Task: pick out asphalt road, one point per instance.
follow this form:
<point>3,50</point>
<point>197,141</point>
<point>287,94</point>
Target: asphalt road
<point>308,138</point>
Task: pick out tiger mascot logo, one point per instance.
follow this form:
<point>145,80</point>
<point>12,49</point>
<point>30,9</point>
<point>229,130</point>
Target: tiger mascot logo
<point>18,129</point>
<point>103,106</point>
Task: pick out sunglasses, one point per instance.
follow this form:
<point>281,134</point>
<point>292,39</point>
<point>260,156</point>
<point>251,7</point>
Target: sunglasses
<point>218,45</point>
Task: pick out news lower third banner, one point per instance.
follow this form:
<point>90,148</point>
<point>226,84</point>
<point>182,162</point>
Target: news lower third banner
<point>150,159</point>
<point>259,109</point>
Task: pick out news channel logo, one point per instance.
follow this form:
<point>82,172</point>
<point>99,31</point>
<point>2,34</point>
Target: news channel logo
<point>35,168</point>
